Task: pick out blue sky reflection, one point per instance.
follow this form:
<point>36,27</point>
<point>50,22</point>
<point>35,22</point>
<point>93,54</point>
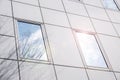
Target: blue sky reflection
<point>110,4</point>
<point>31,41</point>
<point>90,49</point>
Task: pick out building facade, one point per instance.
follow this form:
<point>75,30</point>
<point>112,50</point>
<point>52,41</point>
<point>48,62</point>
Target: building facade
<point>59,40</point>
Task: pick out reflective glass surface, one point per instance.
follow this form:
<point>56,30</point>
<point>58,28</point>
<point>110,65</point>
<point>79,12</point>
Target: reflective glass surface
<point>31,41</point>
<point>90,49</point>
<point>110,4</point>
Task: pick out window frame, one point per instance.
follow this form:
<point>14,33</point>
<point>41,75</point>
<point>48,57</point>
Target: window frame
<point>44,37</point>
<point>106,60</point>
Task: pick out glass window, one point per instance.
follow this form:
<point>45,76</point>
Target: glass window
<point>31,41</point>
<point>91,50</point>
<point>110,4</point>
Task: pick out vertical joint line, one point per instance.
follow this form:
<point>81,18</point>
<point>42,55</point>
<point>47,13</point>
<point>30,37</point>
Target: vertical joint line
<point>15,39</point>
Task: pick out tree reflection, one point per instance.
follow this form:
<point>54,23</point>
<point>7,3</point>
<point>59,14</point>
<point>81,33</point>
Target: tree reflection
<point>31,41</point>
<point>8,68</point>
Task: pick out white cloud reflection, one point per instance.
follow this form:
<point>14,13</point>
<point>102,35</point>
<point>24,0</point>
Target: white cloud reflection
<point>90,49</point>
<point>31,43</point>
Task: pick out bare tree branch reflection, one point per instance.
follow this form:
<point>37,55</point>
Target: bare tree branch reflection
<point>33,50</point>
<point>8,68</point>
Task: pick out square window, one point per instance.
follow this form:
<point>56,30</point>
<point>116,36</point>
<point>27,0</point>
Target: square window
<point>91,50</point>
<point>110,4</point>
<point>31,42</point>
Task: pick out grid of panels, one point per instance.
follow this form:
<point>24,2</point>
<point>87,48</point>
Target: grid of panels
<point>60,20</point>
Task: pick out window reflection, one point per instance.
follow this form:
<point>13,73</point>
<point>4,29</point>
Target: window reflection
<point>31,41</point>
<point>90,49</point>
<point>110,4</point>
